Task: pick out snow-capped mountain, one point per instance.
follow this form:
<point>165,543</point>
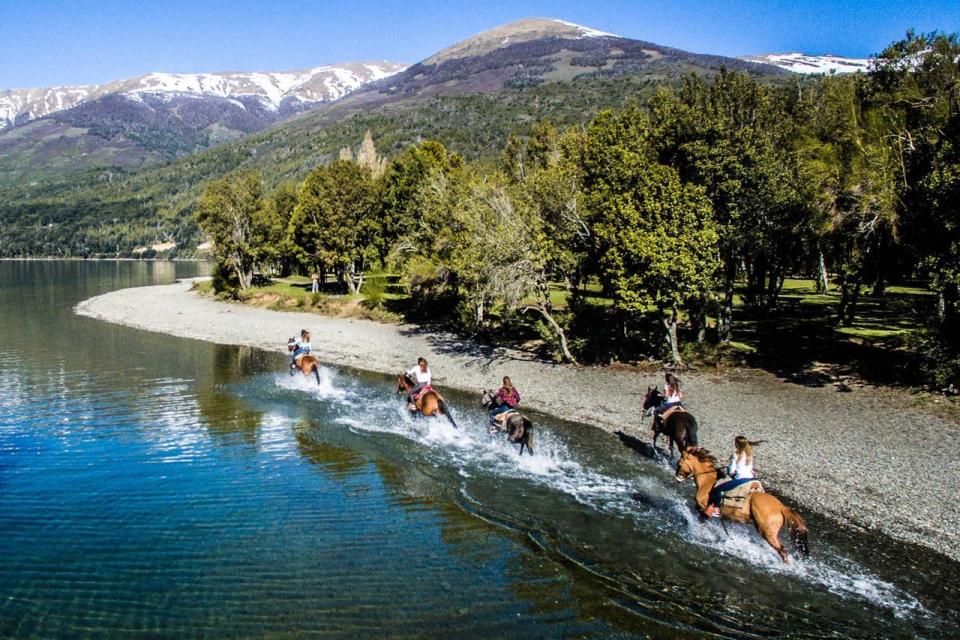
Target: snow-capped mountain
<point>809,64</point>
<point>273,89</point>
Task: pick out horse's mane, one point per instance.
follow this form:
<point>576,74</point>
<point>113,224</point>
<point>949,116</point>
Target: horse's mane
<point>703,455</point>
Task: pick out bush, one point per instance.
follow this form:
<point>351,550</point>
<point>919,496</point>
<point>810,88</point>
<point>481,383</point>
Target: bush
<point>318,300</point>
<point>374,291</point>
<point>224,279</point>
<point>939,358</point>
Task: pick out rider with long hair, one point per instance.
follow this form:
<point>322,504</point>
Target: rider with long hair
<point>740,471</point>
<point>672,397</point>
<point>506,399</point>
<point>298,347</point>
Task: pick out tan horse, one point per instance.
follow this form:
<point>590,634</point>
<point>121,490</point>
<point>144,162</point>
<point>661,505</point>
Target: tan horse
<point>307,364</point>
<point>767,514</point>
<point>430,403</point>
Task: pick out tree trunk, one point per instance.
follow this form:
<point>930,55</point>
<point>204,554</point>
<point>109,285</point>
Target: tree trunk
<point>564,347</point>
<point>725,314</point>
<point>670,324</point>
<point>879,287</point>
<point>852,308</point>
<point>698,319</point>
<point>823,280</point>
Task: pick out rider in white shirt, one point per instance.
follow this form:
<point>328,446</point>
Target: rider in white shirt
<point>421,374</point>
<point>740,471</point>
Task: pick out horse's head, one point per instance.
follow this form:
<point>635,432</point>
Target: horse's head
<point>653,398</point>
<point>694,461</point>
<point>403,383</point>
<point>487,398</point>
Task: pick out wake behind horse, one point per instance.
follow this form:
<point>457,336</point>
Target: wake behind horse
<point>428,403</point>
<point>680,426</point>
<point>518,427</point>
<point>767,514</point>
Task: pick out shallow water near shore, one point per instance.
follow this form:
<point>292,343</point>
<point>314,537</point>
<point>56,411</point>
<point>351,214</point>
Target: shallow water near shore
<point>156,486</point>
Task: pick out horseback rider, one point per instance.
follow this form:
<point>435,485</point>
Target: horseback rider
<point>740,471</point>
<point>298,347</point>
<point>672,397</point>
<point>506,399</point>
<point>423,377</point>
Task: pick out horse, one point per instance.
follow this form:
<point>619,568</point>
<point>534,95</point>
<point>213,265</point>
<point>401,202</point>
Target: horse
<point>430,403</point>
<point>518,427</point>
<point>308,363</point>
<point>680,426</point>
<point>767,514</point>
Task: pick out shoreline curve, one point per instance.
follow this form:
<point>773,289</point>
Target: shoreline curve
<point>847,456</point>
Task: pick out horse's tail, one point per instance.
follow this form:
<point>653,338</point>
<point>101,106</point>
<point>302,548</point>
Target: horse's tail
<point>446,411</point>
<point>528,433</point>
<point>799,529</point>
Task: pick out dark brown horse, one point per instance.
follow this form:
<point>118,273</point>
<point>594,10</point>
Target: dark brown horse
<point>680,427</point>
<point>308,363</point>
<point>429,403</point>
<point>518,427</point>
<point>767,514</point>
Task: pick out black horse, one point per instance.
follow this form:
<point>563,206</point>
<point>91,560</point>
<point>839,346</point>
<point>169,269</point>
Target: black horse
<point>518,427</point>
<point>680,427</point>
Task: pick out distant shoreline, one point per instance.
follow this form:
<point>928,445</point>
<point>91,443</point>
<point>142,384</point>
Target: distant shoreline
<point>78,259</point>
<point>845,455</point>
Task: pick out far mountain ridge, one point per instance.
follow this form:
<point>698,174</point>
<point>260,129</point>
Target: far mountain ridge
<point>275,90</point>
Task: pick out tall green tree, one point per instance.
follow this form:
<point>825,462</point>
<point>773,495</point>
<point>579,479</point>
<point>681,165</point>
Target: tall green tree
<point>654,236</point>
<point>334,226</point>
<point>230,213</point>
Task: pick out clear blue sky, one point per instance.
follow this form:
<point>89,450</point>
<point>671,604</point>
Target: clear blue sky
<point>44,42</point>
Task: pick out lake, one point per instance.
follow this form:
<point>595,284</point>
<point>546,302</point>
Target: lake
<point>153,486</point>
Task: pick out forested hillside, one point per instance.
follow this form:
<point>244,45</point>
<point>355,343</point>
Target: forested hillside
<point>471,96</point>
<point>708,196</point>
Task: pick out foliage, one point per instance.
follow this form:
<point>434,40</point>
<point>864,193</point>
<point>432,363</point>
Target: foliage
<point>231,212</point>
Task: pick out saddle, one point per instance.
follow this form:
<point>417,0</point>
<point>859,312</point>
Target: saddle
<point>417,395</point>
<point>669,412</point>
<point>734,497</point>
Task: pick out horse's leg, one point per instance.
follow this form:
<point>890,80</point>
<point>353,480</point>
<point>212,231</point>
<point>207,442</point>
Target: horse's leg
<point>769,525</point>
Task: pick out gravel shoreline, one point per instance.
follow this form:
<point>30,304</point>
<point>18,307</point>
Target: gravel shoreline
<point>861,458</point>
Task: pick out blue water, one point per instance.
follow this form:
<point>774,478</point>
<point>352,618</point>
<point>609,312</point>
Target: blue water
<point>152,486</point>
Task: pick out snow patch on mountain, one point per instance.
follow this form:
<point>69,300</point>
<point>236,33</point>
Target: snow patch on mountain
<point>810,64</point>
<point>319,84</point>
<point>587,32</point>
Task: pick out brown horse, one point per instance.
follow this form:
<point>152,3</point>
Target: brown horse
<point>308,363</point>
<point>518,427</point>
<point>680,427</point>
<point>430,403</point>
<point>767,514</point>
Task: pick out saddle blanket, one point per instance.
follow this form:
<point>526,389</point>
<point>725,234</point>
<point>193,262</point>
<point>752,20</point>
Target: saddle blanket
<point>421,392</point>
<point>735,497</point>
<point>502,417</point>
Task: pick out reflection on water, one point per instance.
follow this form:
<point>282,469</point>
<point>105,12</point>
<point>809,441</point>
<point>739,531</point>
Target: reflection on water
<point>157,486</point>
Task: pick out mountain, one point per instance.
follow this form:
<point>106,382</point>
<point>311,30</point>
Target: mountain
<point>471,96</point>
<point>809,64</point>
<point>153,118</point>
<point>533,51</point>
<point>274,90</point>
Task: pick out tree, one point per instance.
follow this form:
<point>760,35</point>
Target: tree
<point>731,137</point>
<point>333,225</point>
<point>229,213</point>
<point>654,236</point>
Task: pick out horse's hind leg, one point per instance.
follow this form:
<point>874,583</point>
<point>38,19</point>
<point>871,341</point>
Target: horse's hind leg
<point>772,536</point>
